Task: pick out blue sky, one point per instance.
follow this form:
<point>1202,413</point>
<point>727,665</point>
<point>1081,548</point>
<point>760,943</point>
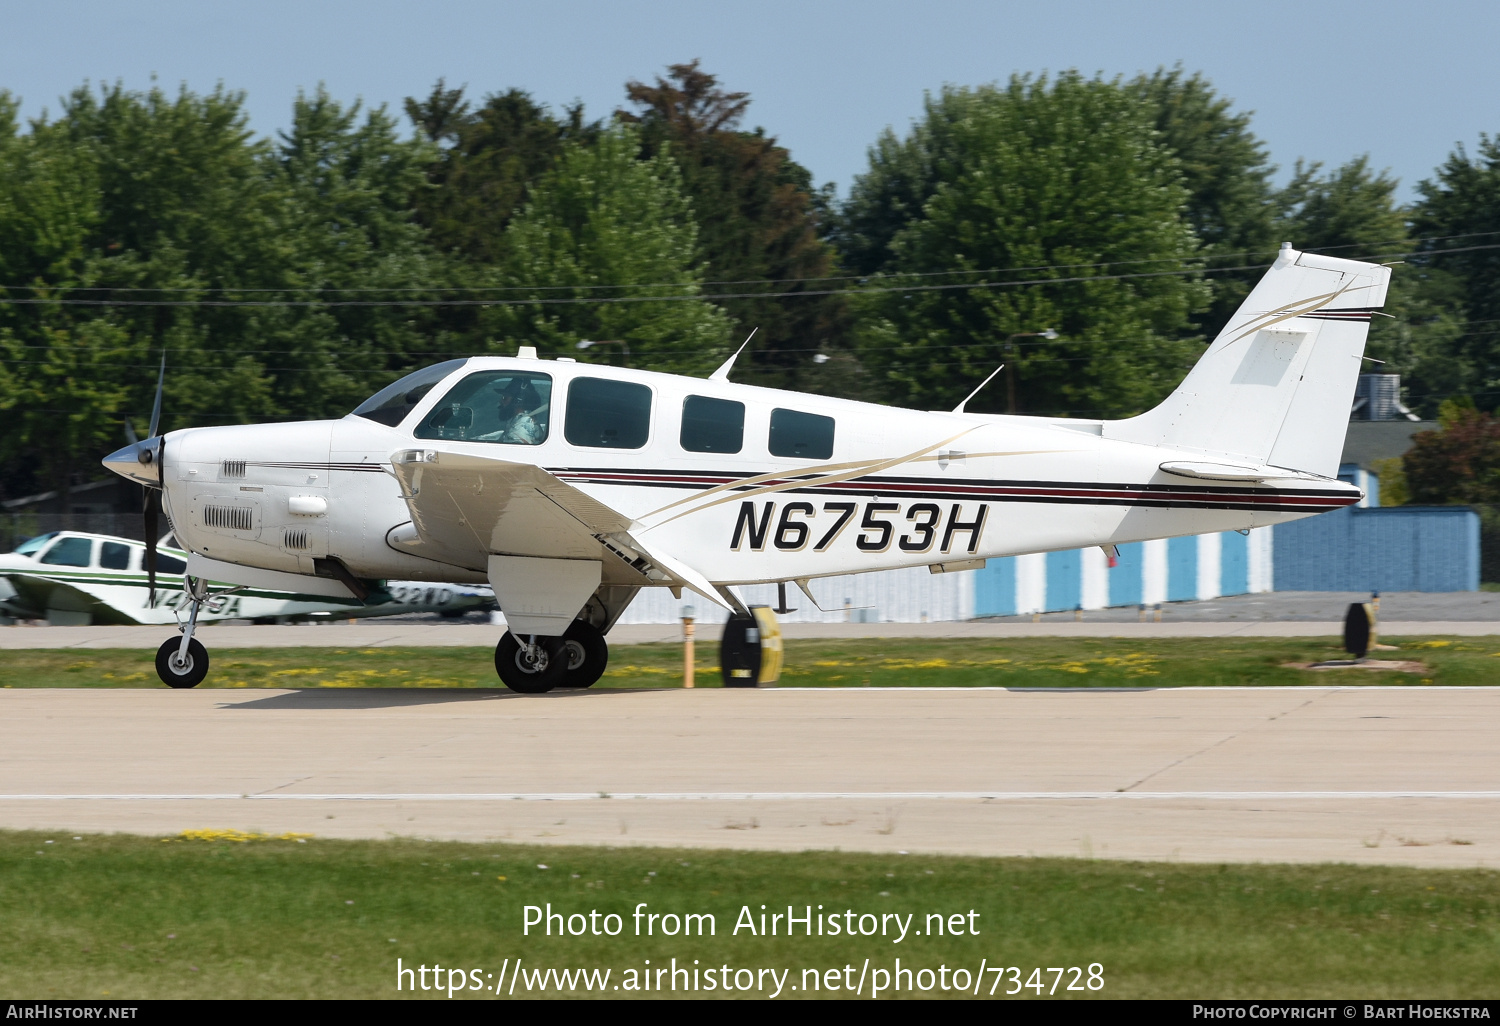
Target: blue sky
<point>1403,82</point>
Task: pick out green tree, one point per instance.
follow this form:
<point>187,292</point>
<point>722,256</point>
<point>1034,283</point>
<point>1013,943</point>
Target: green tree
<point>179,209</point>
<point>1460,462</point>
<point>343,232</point>
<point>759,220</point>
<point>1463,199</point>
<point>1349,211</point>
<point>1063,175</point>
<point>1222,166</point>
<point>1225,169</point>
<point>605,225</point>
<point>164,209</point>
<point>1352,211</point>
<point>486,161</point>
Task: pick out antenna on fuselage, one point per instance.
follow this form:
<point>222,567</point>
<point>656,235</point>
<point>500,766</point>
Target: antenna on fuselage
<point>960,407</point>
<point>722,374</point>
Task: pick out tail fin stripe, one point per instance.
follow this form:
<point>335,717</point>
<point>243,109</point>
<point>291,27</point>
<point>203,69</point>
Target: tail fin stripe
<point>1287,314</point>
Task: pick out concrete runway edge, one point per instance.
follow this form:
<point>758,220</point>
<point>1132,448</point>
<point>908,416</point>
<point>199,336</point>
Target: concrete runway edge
<point>1347,774</point>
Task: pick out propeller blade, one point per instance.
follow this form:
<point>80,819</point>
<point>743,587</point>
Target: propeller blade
<point>130,437</point>
<point>152,505</point>
<point>161,379</point>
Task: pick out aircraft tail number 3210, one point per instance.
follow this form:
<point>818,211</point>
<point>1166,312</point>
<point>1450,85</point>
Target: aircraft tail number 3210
<point>568,487</point>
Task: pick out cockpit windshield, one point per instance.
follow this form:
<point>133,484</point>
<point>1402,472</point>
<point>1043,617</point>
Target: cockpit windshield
<point>392,403</point>
<point>32,546</point>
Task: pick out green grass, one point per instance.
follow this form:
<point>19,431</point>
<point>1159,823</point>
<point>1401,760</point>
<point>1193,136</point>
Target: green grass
<point>1025,662</point>
<point>134,917</point>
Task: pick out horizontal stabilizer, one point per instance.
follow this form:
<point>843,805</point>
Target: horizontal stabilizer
<point>1228,472</point>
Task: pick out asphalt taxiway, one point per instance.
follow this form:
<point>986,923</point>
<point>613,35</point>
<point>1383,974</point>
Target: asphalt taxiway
<point>1402,775</point>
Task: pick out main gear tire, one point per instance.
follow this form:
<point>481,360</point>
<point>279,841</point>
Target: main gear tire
<point>187,672</point>
<point>587,654</point>
<point>530,673</point>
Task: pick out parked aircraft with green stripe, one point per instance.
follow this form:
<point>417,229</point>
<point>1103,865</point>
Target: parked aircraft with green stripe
<point>73,578</point>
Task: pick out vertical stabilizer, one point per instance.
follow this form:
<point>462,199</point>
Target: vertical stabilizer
<point>1276,386</point>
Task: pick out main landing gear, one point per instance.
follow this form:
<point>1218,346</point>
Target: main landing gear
<point>183,662</point>
<point>533,664</point>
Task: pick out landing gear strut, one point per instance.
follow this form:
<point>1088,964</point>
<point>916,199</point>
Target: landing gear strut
<point>183,662</point>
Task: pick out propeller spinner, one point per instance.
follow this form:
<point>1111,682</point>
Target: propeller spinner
<point>140,461</point>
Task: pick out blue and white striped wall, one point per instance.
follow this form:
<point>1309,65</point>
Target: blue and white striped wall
<point>1168,570</point>
<point>1173,570</point>
<point>896,596</point>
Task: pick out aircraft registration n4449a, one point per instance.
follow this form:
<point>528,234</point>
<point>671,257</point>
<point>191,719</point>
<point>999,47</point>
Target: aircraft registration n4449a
<point>568,487</point>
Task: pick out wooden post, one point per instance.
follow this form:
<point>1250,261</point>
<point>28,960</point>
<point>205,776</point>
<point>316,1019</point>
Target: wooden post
<point>687,650</point>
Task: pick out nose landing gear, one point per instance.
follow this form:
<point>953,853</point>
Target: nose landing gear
<point>183,662</point>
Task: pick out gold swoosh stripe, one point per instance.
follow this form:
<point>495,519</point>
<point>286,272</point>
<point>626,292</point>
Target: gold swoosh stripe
<point>858,470</point>
<point>1285,314</point>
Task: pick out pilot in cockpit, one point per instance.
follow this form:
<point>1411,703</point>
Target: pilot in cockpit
<point>522,414</point>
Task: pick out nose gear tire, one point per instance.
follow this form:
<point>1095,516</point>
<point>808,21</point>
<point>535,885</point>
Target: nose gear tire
<point>187,674</point>
<point>519,673</point>
<point>587,654</point>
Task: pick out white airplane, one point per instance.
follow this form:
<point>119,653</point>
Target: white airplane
<point>74,578</point>
<point>569,487</point>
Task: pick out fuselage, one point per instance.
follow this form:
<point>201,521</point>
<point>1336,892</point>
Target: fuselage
<point>745,484</point>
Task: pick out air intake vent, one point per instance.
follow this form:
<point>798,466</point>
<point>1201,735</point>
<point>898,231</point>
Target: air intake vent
<point>232,468</point>
<point>232,518</point>
<point>296,540</point>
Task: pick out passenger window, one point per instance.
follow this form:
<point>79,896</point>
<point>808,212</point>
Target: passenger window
<point>114,556</point>
<point>805,436</point>
<point>509,407</point>
<point>70,552</point>
<point>607,414</point>
<point>167,565</point>
<point>712,425</point>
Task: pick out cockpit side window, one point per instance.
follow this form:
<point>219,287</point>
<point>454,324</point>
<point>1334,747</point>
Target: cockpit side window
<point>504,406</point>
<point>114,555</point>
<point>392,403</point>
<point>69,552</point>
